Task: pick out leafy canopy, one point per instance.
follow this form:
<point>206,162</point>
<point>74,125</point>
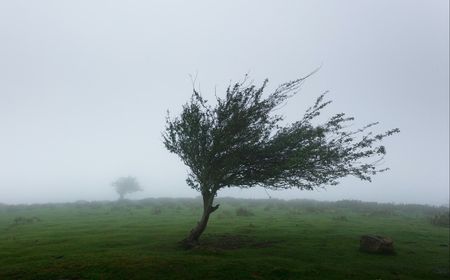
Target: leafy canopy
<point>125,185</point>
<point>239,142</point>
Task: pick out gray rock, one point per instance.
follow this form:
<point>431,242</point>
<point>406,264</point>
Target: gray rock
<point>376,244</point>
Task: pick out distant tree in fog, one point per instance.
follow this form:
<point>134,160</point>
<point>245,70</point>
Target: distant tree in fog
<point>126,185</point>
<point>240,142</point>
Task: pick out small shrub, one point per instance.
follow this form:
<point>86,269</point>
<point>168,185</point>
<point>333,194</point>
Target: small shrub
<point>243,212</point>
<point>441,219</point>
<point>156,211</point>
<point>340,218</point>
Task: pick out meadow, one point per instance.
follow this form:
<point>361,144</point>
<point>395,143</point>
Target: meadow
<point>245,239</point>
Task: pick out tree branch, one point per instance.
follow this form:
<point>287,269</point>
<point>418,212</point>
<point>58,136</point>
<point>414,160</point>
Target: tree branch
<point>214,208</point>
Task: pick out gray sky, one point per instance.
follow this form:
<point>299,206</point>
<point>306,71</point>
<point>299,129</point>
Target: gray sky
<point>85,85</point>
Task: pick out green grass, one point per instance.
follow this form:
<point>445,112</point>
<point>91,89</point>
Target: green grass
<point>277,240</point>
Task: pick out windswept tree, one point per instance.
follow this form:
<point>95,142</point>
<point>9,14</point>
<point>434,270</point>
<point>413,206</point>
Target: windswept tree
<point>126,185</point>
<point>240,142</point>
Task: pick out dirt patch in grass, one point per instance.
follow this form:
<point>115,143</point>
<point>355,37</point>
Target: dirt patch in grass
<point>233,242</point>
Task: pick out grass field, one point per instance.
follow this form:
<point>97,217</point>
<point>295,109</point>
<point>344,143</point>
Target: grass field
<point>245,239</point>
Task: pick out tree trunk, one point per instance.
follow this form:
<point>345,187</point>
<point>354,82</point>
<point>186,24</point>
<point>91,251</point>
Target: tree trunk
<point>193,237</point>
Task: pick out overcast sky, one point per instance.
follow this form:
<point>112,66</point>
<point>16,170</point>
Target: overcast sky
<point>85,85</point>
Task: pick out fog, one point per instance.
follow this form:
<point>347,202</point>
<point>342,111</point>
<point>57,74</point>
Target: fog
<point>85,86</point>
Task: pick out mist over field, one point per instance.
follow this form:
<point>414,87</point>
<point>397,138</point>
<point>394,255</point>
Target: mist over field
<point>141,139</point>
<point>85,86</point>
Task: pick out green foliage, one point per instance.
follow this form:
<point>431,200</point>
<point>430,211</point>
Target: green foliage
<point>240,142</point>
<point>124,240</point>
